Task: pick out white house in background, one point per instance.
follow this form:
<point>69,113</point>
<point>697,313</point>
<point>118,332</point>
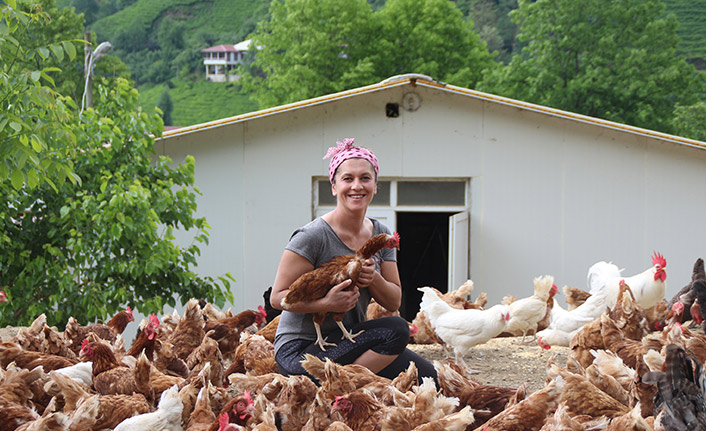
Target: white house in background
<point>478,186</point>
<point>220,60</point>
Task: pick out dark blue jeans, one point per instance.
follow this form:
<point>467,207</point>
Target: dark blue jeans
<point>387,336</point>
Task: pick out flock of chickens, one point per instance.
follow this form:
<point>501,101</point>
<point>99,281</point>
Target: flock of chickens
<point>632,366</point>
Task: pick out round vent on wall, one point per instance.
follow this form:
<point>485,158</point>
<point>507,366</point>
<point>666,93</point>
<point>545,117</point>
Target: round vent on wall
<point>411,101</point>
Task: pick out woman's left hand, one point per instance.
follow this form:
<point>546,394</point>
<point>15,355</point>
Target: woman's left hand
<point>367,273</point>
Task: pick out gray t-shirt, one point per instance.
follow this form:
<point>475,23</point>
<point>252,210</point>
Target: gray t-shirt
<point>318,243</point>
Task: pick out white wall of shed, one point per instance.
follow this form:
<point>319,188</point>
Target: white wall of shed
<point>548,195</point>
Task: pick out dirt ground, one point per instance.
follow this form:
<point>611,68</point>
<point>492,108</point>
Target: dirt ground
<point>504,362</point>
<point>501,361</point>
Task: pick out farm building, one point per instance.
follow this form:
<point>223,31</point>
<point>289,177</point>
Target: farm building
<point>478,186</point>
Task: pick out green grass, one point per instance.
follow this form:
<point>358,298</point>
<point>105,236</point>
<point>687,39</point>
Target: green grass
<point>200,101</point>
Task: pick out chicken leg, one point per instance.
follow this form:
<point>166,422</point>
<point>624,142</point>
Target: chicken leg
<point>350,337</point>
<point>320,339</point>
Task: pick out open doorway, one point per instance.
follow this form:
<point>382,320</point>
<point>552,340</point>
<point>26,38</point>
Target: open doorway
<point>423,256</point>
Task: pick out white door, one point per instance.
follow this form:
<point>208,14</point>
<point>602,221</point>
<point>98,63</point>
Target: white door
<point>459,249</point>
<point>385,216</point>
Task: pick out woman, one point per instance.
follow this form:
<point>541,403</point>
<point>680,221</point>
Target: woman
<point>381,346</point>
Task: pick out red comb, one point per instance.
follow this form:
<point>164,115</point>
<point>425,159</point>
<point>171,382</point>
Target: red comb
<point>84,343</point>
<point>154,319</point>
<point>658,259</point>
<point>396,236</point>
<point>223,419</point>
<point>262,311</point>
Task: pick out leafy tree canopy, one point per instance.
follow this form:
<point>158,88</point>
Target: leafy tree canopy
<point>430,37</point>
<point>608,59</point>
<point>86,249</point>
<point>310,48</point>
<point>35,139</point>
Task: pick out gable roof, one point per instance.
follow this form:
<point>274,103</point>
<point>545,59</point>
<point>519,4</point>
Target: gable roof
<point>426,81</point>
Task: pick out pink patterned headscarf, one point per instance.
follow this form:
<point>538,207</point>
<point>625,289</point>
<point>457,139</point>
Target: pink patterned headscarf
<point>346,150</point>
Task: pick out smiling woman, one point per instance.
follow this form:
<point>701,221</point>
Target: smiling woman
<point>378,344</point>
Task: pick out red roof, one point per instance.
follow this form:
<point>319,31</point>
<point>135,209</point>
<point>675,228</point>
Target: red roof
<point>220,48</point>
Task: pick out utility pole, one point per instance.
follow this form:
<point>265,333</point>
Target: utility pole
<point>87,52</point>
<point>89,62</point>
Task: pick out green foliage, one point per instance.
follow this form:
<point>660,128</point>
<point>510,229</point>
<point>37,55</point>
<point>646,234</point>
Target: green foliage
<point>35,138</point>
<point>166,106</point>
<point>200,101</point>
<point>174,31</point>
<point>310,48</point>
<point>87,251</point>
<point>607,59</point>
<point>690,121</point>
<point>430,37</point>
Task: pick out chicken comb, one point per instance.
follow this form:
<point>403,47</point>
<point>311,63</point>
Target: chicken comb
<point>262,311</point>
<point>154,319</point>
<point>658,259</point>
<point>84,343</point>
<point>129,310</point>
<point>246,394</point>
<point>396,236</point>
<point>223,420</point>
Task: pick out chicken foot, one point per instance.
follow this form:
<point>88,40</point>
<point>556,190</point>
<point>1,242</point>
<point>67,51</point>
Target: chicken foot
<point>350,337</point>
<point>320,339</point>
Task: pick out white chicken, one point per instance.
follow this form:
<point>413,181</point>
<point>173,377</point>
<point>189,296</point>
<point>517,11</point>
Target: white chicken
<point>564,323</point>
<point>463,329</point>
<point>167,417</point>
<point>525,313</point>
<point>82,372</point>
<point>648,287</point>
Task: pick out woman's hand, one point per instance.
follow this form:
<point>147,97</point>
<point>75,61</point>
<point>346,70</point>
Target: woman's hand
<point>367,273</point>
<point>342,297</point>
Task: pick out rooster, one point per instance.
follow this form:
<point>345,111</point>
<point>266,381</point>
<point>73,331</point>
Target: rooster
<point>315,284</point>
<point>648,287</point>
<point>463,329</point>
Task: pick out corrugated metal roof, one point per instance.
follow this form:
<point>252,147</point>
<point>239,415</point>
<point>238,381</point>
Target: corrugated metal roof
<point>425,81</point>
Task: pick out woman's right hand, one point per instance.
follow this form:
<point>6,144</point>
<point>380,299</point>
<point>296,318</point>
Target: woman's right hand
<point>340,299</point>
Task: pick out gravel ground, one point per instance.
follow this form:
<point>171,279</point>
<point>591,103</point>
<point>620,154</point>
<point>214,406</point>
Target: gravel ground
<point>501,361</point>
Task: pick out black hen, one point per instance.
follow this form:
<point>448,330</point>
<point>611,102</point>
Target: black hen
<point>686,295</point>
<point>681,390</point>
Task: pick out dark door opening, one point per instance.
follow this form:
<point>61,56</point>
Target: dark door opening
<point>423,256</point>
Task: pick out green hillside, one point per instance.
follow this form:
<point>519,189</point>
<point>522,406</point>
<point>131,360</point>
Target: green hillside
<point>692,28</point>
<point>199,101</point>
<point>160,41</point>
<point>229,21</point>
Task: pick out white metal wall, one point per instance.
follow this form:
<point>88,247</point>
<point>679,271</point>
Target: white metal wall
<point>550,195</point>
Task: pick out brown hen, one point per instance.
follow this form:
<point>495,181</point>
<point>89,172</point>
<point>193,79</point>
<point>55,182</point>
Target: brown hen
<point>316,283</point>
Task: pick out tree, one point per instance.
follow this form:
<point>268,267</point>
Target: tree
<point>609,59</point>
<point>86,251</point>
<point>36,140</point>
<point>309,48</point>
<point>430,37</point>
<point>165,104</point>
<point>689,121</point>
